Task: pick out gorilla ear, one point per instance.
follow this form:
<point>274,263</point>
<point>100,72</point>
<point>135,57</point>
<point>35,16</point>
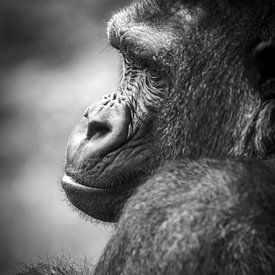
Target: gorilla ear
<point>263,60</point>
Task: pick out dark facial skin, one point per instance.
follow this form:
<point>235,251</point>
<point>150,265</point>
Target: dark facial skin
<point>195,85</point>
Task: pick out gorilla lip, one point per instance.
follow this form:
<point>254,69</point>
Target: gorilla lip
<point>69,183</point>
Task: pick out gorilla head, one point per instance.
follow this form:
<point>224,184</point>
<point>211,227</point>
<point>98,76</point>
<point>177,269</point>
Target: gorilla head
<point>198,80</point>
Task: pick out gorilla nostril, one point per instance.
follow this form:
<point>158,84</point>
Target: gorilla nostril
<point>97,129</point>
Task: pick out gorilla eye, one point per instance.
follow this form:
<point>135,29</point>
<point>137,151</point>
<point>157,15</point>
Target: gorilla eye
<point>133,62</point>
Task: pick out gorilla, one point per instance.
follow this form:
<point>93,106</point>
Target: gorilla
<point>181,155</point>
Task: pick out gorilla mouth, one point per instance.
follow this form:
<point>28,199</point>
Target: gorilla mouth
<point>68,183</point>
<point>117,171</point>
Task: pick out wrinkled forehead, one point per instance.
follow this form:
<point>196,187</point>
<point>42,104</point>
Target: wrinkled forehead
<point>156,11</point>
<point>150,21</point>
<point>219,10</point>
<point>170,17</point>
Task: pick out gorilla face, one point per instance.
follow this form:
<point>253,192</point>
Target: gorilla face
<point>111,149</point>
<point>186,92</point>
<point>114,146</point>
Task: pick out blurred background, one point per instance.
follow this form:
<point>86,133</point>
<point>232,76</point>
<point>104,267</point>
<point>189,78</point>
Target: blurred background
<point>54,61</point>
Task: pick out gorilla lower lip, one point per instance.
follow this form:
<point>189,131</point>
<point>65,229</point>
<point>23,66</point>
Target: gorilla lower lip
<point>87,199</point>
<point>69,183</point>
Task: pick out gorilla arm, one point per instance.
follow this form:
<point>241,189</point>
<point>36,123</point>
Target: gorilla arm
<point>205,217</point>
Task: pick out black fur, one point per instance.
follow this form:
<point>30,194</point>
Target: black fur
<point>214,215</point>
<point>201,217</point>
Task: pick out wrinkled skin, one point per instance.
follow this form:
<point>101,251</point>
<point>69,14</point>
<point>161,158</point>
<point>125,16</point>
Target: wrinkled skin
<point>198,82</point>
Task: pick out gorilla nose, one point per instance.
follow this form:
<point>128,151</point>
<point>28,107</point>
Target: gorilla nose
<point>108,123</point>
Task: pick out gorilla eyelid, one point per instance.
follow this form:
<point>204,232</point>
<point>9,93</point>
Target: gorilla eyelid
<point>134,63</point>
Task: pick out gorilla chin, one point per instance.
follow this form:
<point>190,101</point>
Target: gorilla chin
<point>95,202</point>
<point>102,195</point>
<point>100,203</point>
